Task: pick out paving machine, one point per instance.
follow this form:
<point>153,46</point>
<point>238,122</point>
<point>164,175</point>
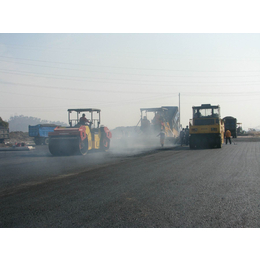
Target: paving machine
<point>163,118</point>
<point>80,137</point>
<point>206,127</point>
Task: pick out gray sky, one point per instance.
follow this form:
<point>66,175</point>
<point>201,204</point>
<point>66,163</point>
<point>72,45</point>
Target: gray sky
<point>42,75</point>
<point>140,55</point>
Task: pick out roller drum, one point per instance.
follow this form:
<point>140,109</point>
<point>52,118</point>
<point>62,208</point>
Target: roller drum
<point>59,146</point>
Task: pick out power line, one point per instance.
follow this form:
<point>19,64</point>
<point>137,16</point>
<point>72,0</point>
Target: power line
<point>111,67</point>
<point>114,103</point>
<point>123,102</point>
<point>163,95</point>
<point>131,92</point>
<point>66,77</point>
<point>124,81</point>
<point>125,53</point>
<point>80,89</point>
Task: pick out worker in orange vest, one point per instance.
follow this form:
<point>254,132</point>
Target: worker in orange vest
<point>228,136</point>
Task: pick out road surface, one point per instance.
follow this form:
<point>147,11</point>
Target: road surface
<point>160,187</point>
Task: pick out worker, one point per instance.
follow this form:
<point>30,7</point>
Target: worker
<point>187,133</point>
<point>83,120</point>
<point>161,122</point>
<point>228,136</point>
<point>162,137</point>
<point>156,119</point>
<point>145,124</point>
<point>197,114</point>
<point>182,136</point>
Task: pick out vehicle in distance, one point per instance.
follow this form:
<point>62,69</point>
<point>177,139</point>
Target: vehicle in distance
<point>206,127</point>
<point>40,132</point>
<point>231,125</point>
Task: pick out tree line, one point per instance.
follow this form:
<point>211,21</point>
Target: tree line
<point>21,123</point>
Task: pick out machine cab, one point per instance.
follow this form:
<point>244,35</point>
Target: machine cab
<point>206,115</point>
<point>91,114</point>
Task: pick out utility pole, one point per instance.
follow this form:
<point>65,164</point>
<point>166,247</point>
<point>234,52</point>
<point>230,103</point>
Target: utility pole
<point>179,110</point>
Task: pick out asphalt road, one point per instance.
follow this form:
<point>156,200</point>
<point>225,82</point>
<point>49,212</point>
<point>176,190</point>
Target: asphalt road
<point>169,187</point>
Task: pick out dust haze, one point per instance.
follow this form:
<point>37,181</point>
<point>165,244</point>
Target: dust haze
<point>131,140</point>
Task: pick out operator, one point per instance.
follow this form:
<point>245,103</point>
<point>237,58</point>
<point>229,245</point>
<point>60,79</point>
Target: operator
<point>83,120</point>
<point>228,136</point>
<point>187,135</point>
<point>197,114</point>
<point>145,124</point>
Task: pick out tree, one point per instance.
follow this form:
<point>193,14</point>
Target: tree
<point>3,123</point>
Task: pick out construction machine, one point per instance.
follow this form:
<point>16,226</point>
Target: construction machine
<point>240,130</point>
<point>163,118</point>
<point>206,127</point>
<point>231,125</point>
<point>80,137</point>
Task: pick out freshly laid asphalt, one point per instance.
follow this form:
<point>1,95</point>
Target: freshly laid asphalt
<point>160,187</point>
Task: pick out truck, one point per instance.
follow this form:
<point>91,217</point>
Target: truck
<point>231,125</point>
<point>206,128</point>
<point>40,133</point>
<point>4,130</point>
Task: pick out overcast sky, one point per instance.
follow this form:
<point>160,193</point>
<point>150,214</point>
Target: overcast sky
<point>42,75</point>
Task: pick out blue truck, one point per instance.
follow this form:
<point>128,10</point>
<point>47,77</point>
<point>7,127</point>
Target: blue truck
<point>40,132</point>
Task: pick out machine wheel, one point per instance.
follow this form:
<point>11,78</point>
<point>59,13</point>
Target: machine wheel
<point>192,146</point>
<point>83,147</point>
<point>54,150</point>
<point>46,141</point>
<point>219,143</point>
<point>191,142</point>
<point>105,144</point>
<point>38,141</point>
<point>68,147</point>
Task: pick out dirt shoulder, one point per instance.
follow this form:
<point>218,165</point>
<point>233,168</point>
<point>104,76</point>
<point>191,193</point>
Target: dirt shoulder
<point>17,137</point>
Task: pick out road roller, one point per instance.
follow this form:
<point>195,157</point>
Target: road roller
<point>83,134</point>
